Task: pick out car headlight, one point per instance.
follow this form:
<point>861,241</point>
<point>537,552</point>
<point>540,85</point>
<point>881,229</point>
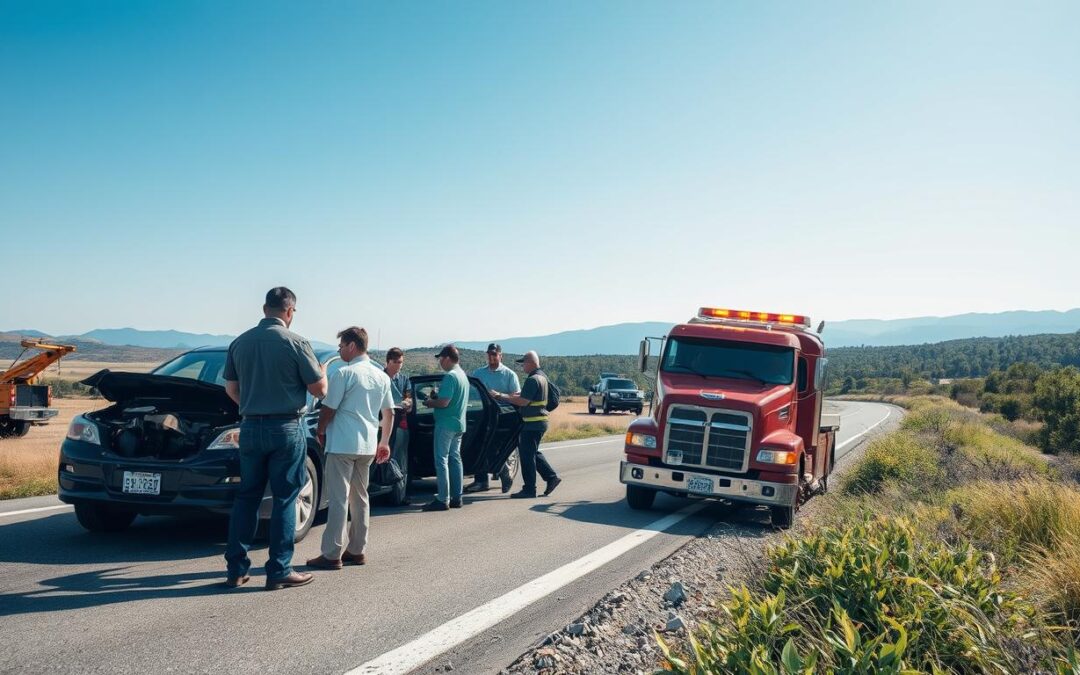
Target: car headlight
<point>777,457</point>
<point>641,440</point>
<point>82,429</point>
<point>227,440</point>
<point>615,394</point>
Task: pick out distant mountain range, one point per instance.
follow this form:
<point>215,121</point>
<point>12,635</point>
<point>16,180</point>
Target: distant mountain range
<point>623,338</point>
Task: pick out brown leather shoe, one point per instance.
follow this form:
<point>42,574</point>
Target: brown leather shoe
<point>294,579</point>
<point>236,582</point>
<point>353,559</point>
<point>324,563</point>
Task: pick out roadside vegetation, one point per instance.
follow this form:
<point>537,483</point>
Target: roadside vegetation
<point>950,546</point>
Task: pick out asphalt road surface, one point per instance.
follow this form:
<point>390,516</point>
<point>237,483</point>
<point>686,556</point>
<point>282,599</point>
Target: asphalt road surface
<point>474,587</point>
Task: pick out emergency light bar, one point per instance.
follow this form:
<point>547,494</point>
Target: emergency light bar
<point>715,313</point>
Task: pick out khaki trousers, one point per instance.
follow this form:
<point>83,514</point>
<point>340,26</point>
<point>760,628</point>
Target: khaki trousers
<point>345,479</point>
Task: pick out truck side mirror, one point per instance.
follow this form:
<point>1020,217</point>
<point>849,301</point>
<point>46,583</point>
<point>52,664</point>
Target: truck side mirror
<point>643,355</point>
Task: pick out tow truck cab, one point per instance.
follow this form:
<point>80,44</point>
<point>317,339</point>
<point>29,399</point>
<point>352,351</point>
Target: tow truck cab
<point>737,414</point>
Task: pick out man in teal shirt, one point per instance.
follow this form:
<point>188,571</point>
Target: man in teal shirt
<point>449,411</point>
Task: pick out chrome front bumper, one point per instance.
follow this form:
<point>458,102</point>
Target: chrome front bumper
<point>32,414</point>
<point>721,487</point>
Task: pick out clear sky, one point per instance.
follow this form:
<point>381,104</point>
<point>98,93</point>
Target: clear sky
<point>468,170</point>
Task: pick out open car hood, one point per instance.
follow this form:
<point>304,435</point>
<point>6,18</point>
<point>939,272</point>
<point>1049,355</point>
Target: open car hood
<point>179,391</point>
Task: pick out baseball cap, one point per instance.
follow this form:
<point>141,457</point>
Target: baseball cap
<point>494,348</point>
<point>449,350</point>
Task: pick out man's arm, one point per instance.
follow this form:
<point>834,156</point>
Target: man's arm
<point>326,416</point>
<point>318,389</point>
<point>436,403</point>
<point>232,388</point>
<point>386,427</point>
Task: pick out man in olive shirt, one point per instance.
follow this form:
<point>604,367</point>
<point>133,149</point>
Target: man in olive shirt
<point>268,372</point>
<point>449,412</point>
<point>531,403</point>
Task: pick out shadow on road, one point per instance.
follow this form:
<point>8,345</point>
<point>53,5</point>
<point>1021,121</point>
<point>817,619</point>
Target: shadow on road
<point>750,522</point>
<point>110,586</point>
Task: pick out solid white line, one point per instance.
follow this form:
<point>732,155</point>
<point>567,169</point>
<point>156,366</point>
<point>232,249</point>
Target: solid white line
<point>613,439</point>
<point>37,510</point>
<point>452,633</point>
<point>858,436</point>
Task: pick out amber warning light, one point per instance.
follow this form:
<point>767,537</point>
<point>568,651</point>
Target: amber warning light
<point>758,317</point>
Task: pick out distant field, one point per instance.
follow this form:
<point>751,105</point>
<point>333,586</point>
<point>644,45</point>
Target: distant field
<point>28,464</point>
<point>71,369</point>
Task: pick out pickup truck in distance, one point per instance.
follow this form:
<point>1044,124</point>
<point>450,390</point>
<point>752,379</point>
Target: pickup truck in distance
<point>616,393</point>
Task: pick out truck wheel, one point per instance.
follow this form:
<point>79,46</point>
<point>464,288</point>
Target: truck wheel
<point>783,517</point>
<point>20,428</point>
<point>640,498</point>
<point>103,517</point>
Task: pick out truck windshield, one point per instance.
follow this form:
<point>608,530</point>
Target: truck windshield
<point>621,384</point>
<point>738,360</point>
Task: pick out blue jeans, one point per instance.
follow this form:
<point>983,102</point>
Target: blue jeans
<point>448,471</point>
<point>532,460</point>
<point>270,451</point>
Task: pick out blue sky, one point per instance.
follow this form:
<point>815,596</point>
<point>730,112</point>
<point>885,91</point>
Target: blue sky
<point>438,171</point>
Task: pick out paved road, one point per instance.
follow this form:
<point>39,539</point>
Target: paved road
<point>474,586</point>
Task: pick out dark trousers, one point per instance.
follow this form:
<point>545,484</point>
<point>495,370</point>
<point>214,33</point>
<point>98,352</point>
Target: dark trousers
<point>271,451</point>
<point>532,460</point>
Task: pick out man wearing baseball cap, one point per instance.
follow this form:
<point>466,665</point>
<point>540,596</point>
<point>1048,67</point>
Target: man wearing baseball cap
<point>498,379</point>
<point>531,403</point>
<point>449,410</point>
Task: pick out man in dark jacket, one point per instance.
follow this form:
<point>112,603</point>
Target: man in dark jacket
<point>531,403</point>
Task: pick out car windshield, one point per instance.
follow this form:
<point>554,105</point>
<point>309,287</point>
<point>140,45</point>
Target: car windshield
<point>621,384</point>
<point>202,366</point>
<point>767,364</point>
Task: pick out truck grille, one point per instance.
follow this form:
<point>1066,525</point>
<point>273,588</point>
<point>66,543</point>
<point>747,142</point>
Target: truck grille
<point>714,439</point>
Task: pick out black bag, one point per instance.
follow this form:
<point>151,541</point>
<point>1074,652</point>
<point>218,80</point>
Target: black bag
<point>553,395</point>
<point>387,473</point>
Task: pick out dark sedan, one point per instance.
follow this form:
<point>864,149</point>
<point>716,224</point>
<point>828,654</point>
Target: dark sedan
<point>169,443</point>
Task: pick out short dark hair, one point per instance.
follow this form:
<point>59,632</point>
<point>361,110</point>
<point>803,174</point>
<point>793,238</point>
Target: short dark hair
<point>280,298</point>
<point>355,335</point>
<point>394,353</point>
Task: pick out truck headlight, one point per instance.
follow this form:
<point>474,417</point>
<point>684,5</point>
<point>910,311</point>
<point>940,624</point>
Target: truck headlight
<point>777,457</point>
<point>641,440</point>
<point>82,429</point>
<point>227,440</point>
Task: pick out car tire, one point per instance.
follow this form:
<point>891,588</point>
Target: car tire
<point>607,408</point>
<point>513,462</point>
<point>640,498</point>
<point>307,503</point>
<point>592,409</point>
<point>638,411</point>
<point>101,517</point>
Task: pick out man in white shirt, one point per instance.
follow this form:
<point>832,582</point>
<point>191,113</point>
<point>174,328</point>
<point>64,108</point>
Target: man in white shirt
<point>349,427</point>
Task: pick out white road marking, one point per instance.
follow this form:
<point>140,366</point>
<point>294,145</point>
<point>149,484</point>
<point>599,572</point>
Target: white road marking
<point>613,439</point>
<point>37,510</point>
<point>860,435</point>
<point>456,631</point>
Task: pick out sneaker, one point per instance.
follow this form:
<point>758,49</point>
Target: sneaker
<point>551,485</point>
<point>477,487</point>
<point>524,494</point>
<point>455,503</point>
<point>436,505</point>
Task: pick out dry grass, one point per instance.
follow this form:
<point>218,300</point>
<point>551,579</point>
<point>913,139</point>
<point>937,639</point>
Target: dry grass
<point>28,464</point>
<point>572,420</point>
<point>72,369</point>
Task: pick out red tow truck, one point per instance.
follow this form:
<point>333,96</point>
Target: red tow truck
<point>736,415</point>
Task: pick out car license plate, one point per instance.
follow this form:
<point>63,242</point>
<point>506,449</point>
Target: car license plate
<point>142,483</point>
<point>674,456</point>
<point>699,484</point>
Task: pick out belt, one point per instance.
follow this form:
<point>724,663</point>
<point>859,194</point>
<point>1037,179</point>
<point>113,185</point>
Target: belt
<point>282,416</point>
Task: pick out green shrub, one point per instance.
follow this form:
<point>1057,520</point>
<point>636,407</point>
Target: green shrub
<point>898,457</point>
<point>877,596</point>
<point>1057,401</point>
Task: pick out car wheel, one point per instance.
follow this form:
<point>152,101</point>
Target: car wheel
<point>640,498</point>
<point>607,409</point>
<point>592,409</point>
<point>307,502</point>
<point>103,517</point>
<point>638,412</point>
<point>20,428</point>
<point>513,464</point>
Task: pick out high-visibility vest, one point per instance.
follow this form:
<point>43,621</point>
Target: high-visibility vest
<point>536,411</point>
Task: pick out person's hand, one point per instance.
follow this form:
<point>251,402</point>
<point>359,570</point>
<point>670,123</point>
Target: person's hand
<point>382,453</point>
<point>406,404</point>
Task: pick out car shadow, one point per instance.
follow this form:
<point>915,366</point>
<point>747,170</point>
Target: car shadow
<point>110,586</point>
